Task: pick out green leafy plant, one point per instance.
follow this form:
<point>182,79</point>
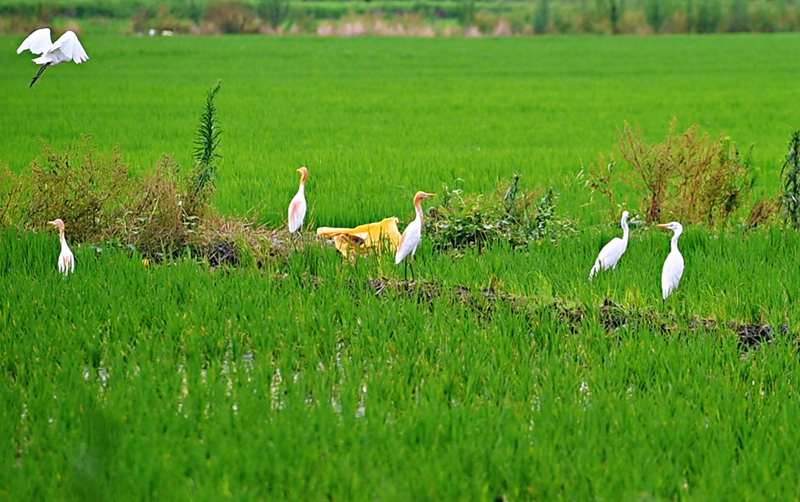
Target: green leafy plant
<point>509,215</point>
<point>274,12</point>
<point>790,182</point>
<point>201,178</point>
<point>541,19</point>
<point>466,12</point>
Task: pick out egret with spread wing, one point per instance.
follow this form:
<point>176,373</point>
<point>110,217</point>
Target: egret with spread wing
<point>66,48</point>
<point>412,235</point>
<point>673,266</point>
<point>611,253</point>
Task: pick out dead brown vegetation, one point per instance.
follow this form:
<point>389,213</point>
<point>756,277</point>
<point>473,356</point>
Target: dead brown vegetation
<point>689,177</point>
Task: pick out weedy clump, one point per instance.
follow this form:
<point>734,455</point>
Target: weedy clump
<point>689,176</point>
<point>157,223</point>
<point>88,190</point>
<point>790,182</point>
<point>231,16</point>
<point>163,215</point>
<point>237,242</point>
<point>509,215</point>
<point>11,193</point>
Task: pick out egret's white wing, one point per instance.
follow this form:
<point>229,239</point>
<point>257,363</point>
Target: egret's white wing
<point>37,42</point>
<point>409,241</point>
<point>611,253</point>
<point>68,48</point>
<point>297,212</point>
<point>672,273</point>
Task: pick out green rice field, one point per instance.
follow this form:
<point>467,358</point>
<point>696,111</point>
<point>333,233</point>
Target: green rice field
<point>498,375</point>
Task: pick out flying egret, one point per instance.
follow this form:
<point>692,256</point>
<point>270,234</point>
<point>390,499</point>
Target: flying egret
<point>66,48</point>
<point>297,208</point>
<point>412,235</point>
<point>673,265</point>
<point>66,261</point>
<point>611,253</point>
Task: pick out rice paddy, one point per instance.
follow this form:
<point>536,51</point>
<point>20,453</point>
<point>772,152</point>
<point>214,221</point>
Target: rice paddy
<point>502,374</point>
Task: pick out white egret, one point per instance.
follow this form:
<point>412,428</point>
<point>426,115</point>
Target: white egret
<point>611,253</point>
<point>66,48</point>
<point>412,235</point>
<point>673,265</point>
<point>66,261</point>
<point>297,208</point>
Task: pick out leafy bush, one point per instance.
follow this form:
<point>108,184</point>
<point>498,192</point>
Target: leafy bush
<point>232,16</point>
<point>466,12</point>
<point>485,21</point>
<point>688,176</point>
<point>274,12</point>
<point>163,19</point>
<point>509,215</point>
<point>656,14</point>
<point>86,190</point>
<point>541,20</point>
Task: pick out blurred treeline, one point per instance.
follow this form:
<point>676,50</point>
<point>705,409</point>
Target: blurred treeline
<point>413,17</point>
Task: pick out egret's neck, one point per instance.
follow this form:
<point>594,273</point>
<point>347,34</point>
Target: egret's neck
<point>63,239</point>
<point>675,238</point>
<point>302,189</point>
<point>625,231</point>
<point>418,207</point>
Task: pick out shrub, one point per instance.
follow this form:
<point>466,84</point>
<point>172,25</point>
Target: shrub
<point>656,14</point>
<point>790,182</point>
<point>633,23</point>
<point>601,177</point>
<point>708,17</point>
<point>232,16</point>
<point>509,215</point>
<point>737,19</point>
<point>688,176</point>
<point>541,19</point>
<point>88,191</point>
<point>274,12</point>
<point>157,224</point>
<point>485,22</point>
<point>11,194</point>
<point>466,12</point>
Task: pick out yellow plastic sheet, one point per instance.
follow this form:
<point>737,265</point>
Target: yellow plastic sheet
<point>381,236</point>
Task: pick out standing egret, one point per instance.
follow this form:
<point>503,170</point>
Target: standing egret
<point>66,48</point>
<point>673,265</point>
<point>412,235</point>
<point>611,253</point>
<point>297,208</point>
<point>66,261</point>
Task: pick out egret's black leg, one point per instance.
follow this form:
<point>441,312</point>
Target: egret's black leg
<point>41,70</point>
<point>412,272</point>
<point>405,270</point>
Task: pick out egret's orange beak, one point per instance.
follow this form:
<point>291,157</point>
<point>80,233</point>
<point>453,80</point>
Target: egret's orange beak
<point>663,225</point>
